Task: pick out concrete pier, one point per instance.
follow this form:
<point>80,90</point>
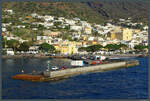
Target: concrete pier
<point>81,70</point>
<point>66,73</point>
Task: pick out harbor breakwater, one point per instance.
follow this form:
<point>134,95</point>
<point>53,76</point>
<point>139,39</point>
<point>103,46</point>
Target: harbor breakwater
<point>66,73</point>
<point>81,70</point>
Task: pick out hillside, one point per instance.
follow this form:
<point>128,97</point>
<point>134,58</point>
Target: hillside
<point>67,9</point>
<point>95,12</point>
<point>123,9</point>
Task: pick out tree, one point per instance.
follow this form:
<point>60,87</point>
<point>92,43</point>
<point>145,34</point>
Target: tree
<point>24,46</point>
<point>93,48</point>
<point>82,49</point>
<point>95,33</point>
<point>66,36</point>
<point>9,28</point>
<point>41,27</point>
<point>67,27</point>
<point>19,32</point>
<point>13,44</point>
<point>47,47</point>
<point>123,46</point>
<point>146,46</point>
<point>112,46</point>
<point>4,42</point>
<point>57,23</point>
<point>140,47</point>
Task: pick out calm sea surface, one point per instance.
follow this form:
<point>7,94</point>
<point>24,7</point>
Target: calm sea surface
<point>130,83</point>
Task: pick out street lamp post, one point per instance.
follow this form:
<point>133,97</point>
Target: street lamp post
<point>48,68</point>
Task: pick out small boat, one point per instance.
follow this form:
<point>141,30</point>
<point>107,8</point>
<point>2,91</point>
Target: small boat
<point>28,77</point>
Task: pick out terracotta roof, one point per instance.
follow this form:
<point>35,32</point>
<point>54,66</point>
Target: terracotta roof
<point>56,44</point>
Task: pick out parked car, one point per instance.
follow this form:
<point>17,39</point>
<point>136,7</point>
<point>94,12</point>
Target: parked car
<point>54,68</point>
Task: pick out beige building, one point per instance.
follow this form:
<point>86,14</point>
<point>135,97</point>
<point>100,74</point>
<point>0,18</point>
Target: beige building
<point>68,47</point>
<point>136,31</point>
<point>127,34</point>
<point>51,33</point>
<point>87,30</point>
<point>121,34</point>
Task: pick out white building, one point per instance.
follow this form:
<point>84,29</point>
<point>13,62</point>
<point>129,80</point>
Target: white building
<point>20,26</point>
<point>100,39</point>
<point>34,15</point>
<point>35,29</point>
<point>6,24</point>
<point>49,40</point>
<point>132,44</point>
<point>145,27</point>
<point>10,51</point>
<point>9,11</point>
<point>88,29</point>
<point>11,37</point>
<point>121,19</point>
<point>84,23</point>
<point>33,49</point>
<point>48,24</point>
<point>48,18</point>
<point>4,29</point>
<point>76,28</point>
<point>91,38</point>
<point>70,22</point>
<point>41,37</point>
<point>76,19</point>
<point>21,40</point>
<point>76,35</point>
<point>61,18</point>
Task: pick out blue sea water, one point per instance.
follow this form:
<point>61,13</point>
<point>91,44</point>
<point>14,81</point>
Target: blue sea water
<point>128,83</point>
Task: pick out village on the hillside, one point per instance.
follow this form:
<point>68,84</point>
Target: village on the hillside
<point>46,34</point>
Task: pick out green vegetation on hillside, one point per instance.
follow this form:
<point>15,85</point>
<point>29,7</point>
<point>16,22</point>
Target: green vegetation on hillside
<point>59,9</point>
<point>95,12</point>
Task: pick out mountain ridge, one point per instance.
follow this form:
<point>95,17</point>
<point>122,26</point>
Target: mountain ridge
<point>93,11</point>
